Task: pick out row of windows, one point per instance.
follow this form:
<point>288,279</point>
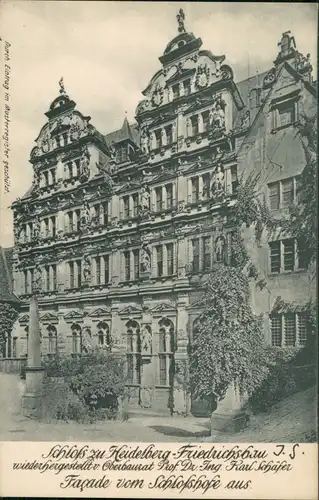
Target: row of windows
<point>164,200</point>
<point>289,330</point>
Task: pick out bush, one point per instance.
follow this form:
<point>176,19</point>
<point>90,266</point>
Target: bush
<point>60,402</point>
<point>96,382</point>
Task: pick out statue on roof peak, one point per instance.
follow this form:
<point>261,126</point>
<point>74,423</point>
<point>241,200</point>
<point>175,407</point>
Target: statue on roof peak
<point>180,19</point>
<point>61,85</point>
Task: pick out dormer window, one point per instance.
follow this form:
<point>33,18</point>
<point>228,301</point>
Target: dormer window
<point>187,87</point>
<point>175,89</point>
<point>286,114</point>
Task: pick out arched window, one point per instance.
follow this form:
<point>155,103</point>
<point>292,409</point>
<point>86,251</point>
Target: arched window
<point>165,350</point>
<point>76,339</point>
<point>52,340</point>
<point>133,348</point>
<point>103,334</point>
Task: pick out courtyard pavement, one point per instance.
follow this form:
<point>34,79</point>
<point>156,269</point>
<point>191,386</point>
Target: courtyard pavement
<point>15,427</point>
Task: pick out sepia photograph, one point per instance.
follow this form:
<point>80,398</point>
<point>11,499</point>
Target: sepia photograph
<point>158,222</point>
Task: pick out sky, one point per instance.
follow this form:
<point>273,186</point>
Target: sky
<point>107,53</point>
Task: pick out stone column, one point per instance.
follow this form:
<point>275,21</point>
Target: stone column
<point>182,256</point>
<point>32,399</point>
<point>116,268</point>
<point>228,416</point>
<point>181,398</point>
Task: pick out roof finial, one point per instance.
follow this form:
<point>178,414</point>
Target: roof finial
<point>61,84</point>
<point>180,19</point>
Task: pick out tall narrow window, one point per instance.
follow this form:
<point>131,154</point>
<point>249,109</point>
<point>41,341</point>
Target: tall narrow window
<point>234,179</point>
<point>276,331</point>
<point>287,187</point>
<point>163,369</point>
<point>79,266</point>
<point>135,204</point>
<point>72,280</point>
<point>169,134</point>
<point>98,270</point>
<point>206,186</point>
<point>47,278</point>
<point>158,138</point>
<point>290,330</point>
<point>159,260</point>
<point>206,122</point>
<point>195,126</point>
<point>97,213</point>
<point>286,114</point>
<point>175,89</point>
<point>46,228</point>
<point>106,259</point>
<point>207,252</point>
<point>170,259</point>
<point>302,329</point>
<point>127,266</point>
<point>126,205</point>
<point>136,256</point>
<point>274,248</point>
<point>169,195</point>
<point>78,220</point>
<point>159,198</point>
<point>54,277</point>
<point>78,167</point>
<point>195,244</point>
<point>46,178</point>
<point>187,87</point>
<point>105,213</point>
<point>25,281</point>
<point>70,170</point>
<point>289,255</point>
<point>195,189</point>
<point>273,190</point>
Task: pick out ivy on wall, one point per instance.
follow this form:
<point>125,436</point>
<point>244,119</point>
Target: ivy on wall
<point>8,316</point>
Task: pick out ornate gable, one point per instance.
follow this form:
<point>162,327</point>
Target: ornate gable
<point>73,316</point>
<point>24,319</point>
<point>163,309</point>
<point>49,318</point>
<point>131,311</point>
<point>99,312</point>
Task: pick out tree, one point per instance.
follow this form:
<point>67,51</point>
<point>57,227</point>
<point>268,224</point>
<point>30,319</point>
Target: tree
<point>301,221</point>
<point>228,344</point>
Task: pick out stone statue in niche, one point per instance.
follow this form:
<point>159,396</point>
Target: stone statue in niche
<point>245,120</point>
<point>36,228</point>
<point>87,268</point>
<point>112,152</point>
<point>218,183</point>
<point>85,166</point>
<point>145,141</point>
<point>86,339</point>
<point>145,199</point>
<point>146,338</point>
<point>85,215</point>
<point>145,258</point>
<point>37,279</point>
<point>220,249</point>
<point>218,117</point>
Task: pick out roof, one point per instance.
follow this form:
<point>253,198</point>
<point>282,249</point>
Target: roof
<point>245,88</point>
<point>126,132</point>
<point>6,278</point>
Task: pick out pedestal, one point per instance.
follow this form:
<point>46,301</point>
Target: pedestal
<point>229,416</point>
<point>32,398</point>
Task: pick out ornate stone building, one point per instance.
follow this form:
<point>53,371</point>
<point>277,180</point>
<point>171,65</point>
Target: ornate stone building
<point>121,228</point>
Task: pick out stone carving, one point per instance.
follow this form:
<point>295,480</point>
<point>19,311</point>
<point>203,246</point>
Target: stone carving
<point>245,121</point>
<point>302,62</point>
<point>146,340</point>
<point>181,20</point>
<point>269,78</point>
<point>220,249</point>
<point>145,140</point>
<point>157,96</point>
<point>37,279</point>
<point>112,152</point>
<point>87,344</point>
<point>226,72</point>
<point>78,128</point>
<point>85,215</point>
<point>145,199</point>
<point>45,143</point>
<point>87,268</point>
<point>145,397</point>
<point>36,228</point>
<point>202,77</point>
<point>61,85</point>
<point>218,115</point>
<point>218,183</point>
<point>85,166</point>
<point>145,258</point>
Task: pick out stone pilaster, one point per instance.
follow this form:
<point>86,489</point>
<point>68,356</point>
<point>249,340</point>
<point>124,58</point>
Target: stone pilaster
<point>180,395</point>
<point>117,334</point>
